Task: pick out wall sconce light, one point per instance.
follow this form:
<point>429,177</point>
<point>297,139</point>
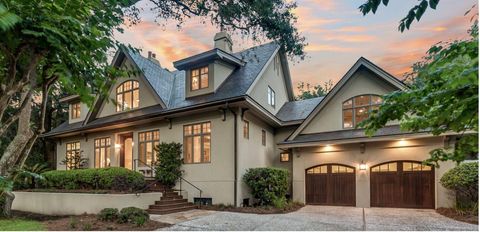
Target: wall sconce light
<point>363,166</point>
<point>117,145</point>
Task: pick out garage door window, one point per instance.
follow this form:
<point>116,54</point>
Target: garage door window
<point>341,169</point>
<point>412,167</point>
<point>389,167</point>
<point>318,170</point>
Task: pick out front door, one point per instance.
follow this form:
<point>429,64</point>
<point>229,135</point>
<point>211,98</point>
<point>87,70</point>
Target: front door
<point>126,150</point>
<point>330,184</point>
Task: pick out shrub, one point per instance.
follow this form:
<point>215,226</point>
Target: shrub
<point>114,178</point>
<point>133,215</point>
<point>167,170</point>
<point>108,214</point>
<point>267,184</point>
<point>463,179</point>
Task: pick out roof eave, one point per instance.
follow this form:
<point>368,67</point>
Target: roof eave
<point>208,56</point>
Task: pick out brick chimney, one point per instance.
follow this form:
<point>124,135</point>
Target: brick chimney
<point>153,57</point>
<point>223,41</point>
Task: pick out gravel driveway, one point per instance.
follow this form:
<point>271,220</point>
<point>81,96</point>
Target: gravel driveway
<point>318,218</point>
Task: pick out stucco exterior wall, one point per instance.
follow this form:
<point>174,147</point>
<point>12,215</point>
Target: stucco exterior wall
<point>375,153</point>
<point>330,117</point>
<point>146,96</point>
<point>79,203</point>
<point>274,78</point>
<point>210,177</point>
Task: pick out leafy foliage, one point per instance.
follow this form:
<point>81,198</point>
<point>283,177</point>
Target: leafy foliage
<point>415,12</point>
<point>268,185</point>
<point>442,97</point>
<point>75,161</point>
<point>463,179</point>
<point>29,176</point>
<point>305,91</point>
<point>108,214</point>
<point>7,19</point>
<point>133,215</point>
<point>114,178</point>
<point>169,161</point>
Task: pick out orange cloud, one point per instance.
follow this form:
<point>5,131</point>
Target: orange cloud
<point>326,47</point>
<point>349,38</point>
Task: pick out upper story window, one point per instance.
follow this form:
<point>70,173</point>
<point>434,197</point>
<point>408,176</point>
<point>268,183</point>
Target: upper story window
<point>75,110</point>
<point>127,95</point>
<point>199,78</point>
<point>271,96</point>
<point>358,108</point>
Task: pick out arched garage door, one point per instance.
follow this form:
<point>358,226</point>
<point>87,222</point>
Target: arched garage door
<point>330,184</point>
<point>405,184</point>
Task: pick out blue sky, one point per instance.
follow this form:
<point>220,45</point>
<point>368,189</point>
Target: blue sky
<point>336,31</point>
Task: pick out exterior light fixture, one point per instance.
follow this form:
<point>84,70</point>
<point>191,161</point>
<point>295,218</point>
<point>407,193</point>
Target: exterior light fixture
<point>363,166</point>
<point>117,145</point>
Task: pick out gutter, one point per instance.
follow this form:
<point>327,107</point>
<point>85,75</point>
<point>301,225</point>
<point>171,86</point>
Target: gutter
<point>235,156</point>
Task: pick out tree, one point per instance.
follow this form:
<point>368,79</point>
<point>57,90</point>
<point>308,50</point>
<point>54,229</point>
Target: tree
<point>66,43</point>
<point>305,91</point>
<point>415,12</point>
<point>442,97</point>
<point>167,169</point>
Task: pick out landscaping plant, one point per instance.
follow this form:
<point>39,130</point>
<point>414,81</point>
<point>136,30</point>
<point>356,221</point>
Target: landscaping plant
<point>133,215</point>
<point>169,162</point>
<point>268,185</point>
<point>75,161</point>
<point>463,179</point>
<point>108,214</point>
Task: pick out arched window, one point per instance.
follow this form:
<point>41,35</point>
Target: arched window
<point>357,109</point>
<point>127,96</point>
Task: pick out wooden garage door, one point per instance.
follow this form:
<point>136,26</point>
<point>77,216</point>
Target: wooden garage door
<point>330,184</point>
<point>405,184</point>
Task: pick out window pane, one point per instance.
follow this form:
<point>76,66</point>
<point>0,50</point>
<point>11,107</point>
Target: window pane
<point>197,149</point>
<point>362,100</point>
<point>206,127</point>
<point>349,170</point>
<point>136,99</point>
<point>376,100</point>
<point>246,132</point>
<point>149,153</point>
<point>407,166</point>
<point>205,70</point>
<point>347,104</point>
<point>204,81</point>
<point>284,157</point>
<point>141,154</point>
<point>310,171</point>
<point>195,73</point>
<point>195,82</point>
<point>141,137</point>
<point>206,148</point>
<point>128,100</point>
<point>361,114</point>
<point>376,169</point>
<point>119,102</point>
<point>348,118</point>
<point>196,129</point>
<point>426,168</point>
<point>416,167</point>
<point>127,86</point>
<point>120,88</point>
<point>187,130</point>
<point>384,168</point>
<point>323,169</point>
<point>187,150</point>
<point>392,167</point>
<point>156,135</point>
<point>342,169</point>
<point>135,84</point>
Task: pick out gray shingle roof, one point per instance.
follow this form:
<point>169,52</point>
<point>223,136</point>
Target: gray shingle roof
<point>297,110</point>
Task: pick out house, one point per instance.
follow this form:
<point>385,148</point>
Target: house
<point>236,110</point>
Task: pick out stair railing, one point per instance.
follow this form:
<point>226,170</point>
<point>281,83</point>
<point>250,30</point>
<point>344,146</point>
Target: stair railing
<point>135,167</point>
<point>188,182</point>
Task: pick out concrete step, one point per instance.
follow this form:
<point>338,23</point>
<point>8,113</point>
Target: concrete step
<point>171,197</point>
<point>170,206</point>
<point>171,210</point>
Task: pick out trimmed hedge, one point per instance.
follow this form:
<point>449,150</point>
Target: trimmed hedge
<point>268,185</point>
<point>114,178</point>
<point>463,179</point>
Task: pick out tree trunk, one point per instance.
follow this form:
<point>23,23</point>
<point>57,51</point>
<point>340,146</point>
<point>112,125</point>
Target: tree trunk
<point>7,207</point>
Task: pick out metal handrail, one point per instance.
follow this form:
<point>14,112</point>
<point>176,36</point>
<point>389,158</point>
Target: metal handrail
<point>136,161</point>
<point>188,182</point>
<point>155,181</point>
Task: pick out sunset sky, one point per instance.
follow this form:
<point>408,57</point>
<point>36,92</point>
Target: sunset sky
<point>336,31</point>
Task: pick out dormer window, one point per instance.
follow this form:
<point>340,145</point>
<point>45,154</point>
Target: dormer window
<point>199,78</point>
<point>75,110</point>
<point>358,108</point>
<point>127,96</point>
<point>271,96</point>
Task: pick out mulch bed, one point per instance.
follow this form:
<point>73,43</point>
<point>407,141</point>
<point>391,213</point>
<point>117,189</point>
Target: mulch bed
<point>85,222</point>
<point>463,216</point>
<point>256,210</point>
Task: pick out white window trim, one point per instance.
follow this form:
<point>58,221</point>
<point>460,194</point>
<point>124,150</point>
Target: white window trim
<point>271,96</point>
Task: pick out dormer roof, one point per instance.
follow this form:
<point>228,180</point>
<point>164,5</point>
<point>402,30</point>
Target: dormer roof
<point>208,57</point>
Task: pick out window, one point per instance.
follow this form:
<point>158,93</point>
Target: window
<point>358,108</point>
<point>147,141</point>
<point>284,157</point>
<point>414,166</point>
<point>102,152</point>
<point>127,96</point>
<point>196,143</point>
<point>388,167</point>
<point>75,110</point>
<point>271,96</point>
<point>199,78</point>
<point>264,137</point>
<point>246,129</point>
<point>341,169</point>
<point>73,149</point>
<point>318,170</point>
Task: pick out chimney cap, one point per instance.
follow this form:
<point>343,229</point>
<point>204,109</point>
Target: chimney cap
<point>221,35</point>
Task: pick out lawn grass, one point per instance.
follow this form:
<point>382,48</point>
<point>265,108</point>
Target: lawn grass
<point>20,224</point>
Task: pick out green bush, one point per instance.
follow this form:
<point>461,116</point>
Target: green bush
<point>167,170</point>
<point>108,214</point>
<point>267,185</point>
<point>463,179</point>
<point>114,178</point>
<point>133,215</point>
